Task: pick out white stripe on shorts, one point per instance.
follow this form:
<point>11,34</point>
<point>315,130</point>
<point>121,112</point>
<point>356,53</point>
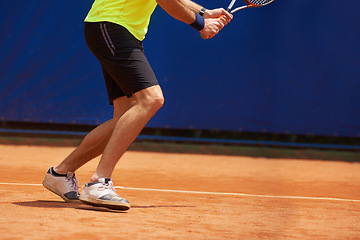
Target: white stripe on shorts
<point>107,38</point>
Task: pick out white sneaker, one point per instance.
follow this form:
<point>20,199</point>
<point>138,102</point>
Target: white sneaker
<point>103,194</point>
<point>64,186</point>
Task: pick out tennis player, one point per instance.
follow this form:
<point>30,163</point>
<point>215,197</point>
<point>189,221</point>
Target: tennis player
<point>114,30</point>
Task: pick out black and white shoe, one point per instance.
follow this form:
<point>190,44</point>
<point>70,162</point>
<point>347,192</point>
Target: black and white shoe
<point>65,186</point>
<point>103,194</point>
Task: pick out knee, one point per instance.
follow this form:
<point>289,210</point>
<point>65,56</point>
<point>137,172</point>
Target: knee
<point>154,102</point>
<point>159,101</point>
<point>151,99</point>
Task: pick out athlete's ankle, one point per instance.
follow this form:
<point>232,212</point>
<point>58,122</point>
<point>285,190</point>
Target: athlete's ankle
<point>59,171</point>
<point>94,179</point>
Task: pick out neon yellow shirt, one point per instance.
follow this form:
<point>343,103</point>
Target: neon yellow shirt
<point>134,15</point>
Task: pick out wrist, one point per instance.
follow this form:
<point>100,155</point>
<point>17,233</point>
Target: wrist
<point>199,23</point>
<point>202,11</point>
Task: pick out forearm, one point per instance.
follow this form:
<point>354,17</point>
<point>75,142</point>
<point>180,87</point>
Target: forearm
<point>193,6</point>
<point>178,9</point>
<point>187,11</point>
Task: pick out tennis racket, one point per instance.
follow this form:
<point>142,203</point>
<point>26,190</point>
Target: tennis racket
<point>250,3</point>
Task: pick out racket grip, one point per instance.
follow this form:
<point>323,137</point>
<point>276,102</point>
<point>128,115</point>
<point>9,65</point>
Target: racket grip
<point>203,36</point>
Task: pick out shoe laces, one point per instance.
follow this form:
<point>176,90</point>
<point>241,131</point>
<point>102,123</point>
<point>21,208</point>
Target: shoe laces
<point>73,183</point>
<point>107,185</point>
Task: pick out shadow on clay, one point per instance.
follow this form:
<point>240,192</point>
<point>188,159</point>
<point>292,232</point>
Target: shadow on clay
<point>61,204</point>
<point>81,206</point>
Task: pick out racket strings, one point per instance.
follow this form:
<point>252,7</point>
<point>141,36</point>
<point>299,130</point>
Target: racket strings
<point>259,2</point>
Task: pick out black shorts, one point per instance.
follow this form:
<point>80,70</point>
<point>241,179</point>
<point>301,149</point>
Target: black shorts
<point>124,65</point>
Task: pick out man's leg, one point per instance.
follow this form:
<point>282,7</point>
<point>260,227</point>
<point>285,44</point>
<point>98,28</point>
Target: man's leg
<point>100,191</point>
<point>62,180</point>
<point>129,125</point>
<point>94,143</point>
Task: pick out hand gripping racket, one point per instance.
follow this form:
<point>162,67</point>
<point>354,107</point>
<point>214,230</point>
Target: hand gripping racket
<point>250,3</point>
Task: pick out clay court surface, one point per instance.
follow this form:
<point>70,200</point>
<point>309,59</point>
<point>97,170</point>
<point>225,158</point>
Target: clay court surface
<point>184,196</point>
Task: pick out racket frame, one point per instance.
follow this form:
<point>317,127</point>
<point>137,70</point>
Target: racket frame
<point>249,4</point>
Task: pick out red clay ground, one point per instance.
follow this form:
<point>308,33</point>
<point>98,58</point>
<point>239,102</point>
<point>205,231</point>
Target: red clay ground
<point>328,207</point>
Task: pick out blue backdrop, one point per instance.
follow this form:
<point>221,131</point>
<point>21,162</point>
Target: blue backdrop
<point>291,67</point>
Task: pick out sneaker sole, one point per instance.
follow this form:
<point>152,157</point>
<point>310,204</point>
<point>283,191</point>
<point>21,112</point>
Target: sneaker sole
<point>53,189</point>
<point>105,203</point>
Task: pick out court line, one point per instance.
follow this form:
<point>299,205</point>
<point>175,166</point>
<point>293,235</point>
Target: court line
<point>22,184</point>
<point>212,193</point>
<point>241,194</point>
